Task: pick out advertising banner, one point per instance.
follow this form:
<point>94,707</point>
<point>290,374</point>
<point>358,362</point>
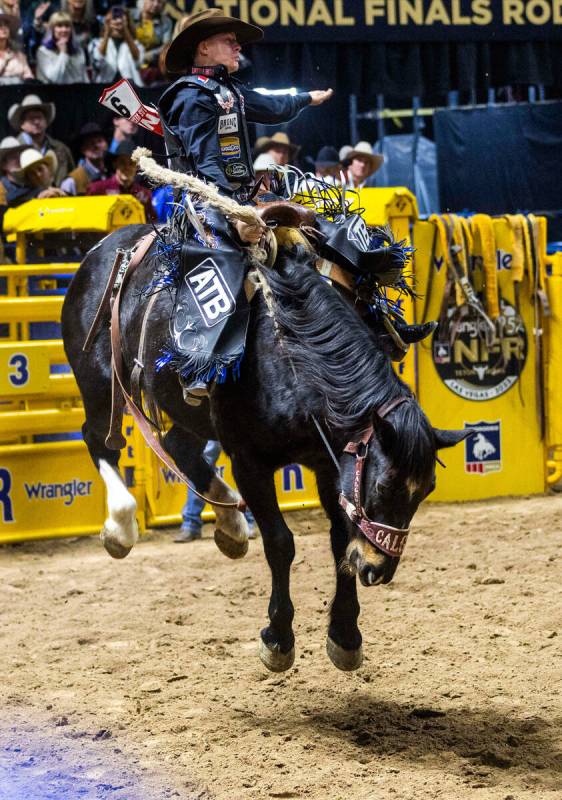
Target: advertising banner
<point>390,20</point>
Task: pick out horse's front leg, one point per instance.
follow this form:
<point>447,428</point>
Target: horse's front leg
<point>277,640</point>
<point>343,643</point>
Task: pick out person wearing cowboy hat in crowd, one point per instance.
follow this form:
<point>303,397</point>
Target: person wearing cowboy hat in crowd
<point>278,147</point>
<point>30,119</point>
<point>122,181</point>
<point>205,112</point>
<point>37,172</point>
<point>92,144</point>
<point>327,165</point>
<point>12,193</point>
<point>362,164</point>
<point>13,63</point>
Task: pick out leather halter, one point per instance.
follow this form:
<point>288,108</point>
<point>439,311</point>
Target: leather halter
<point>390,541</point>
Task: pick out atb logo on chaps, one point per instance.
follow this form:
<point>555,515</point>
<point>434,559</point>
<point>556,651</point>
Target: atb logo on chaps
<point>358,233</point>
<point>210,292</point>
<point>482,450</point>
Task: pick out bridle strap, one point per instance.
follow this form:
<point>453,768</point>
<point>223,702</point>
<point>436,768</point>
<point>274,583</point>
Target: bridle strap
<point>386,538</point>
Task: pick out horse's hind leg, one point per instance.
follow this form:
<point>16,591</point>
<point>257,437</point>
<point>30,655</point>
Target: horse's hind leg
<point>343,643</point>
<point>120,529</point>
<point>231,533</point>
<point>277,641</point>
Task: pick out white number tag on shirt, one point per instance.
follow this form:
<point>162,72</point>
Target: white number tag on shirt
<point>122,98</point>
<point>228,123</point>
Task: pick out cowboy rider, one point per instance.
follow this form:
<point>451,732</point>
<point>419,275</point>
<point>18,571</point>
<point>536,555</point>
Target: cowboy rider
<point>205,112</point>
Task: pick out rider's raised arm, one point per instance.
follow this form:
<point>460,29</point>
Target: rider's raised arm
<point>271,109</point>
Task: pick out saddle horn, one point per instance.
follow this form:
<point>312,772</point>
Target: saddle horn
<point>288,215</point>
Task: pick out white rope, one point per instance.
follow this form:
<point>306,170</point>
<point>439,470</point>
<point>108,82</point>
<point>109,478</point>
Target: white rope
<point>207,192</point>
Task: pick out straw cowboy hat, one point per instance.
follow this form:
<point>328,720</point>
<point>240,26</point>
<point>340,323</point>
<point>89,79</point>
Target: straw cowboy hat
<point>201,26</point>
<point>29,101</point>
<point>279,139</point>
<point>364,150</point>
<point>12,22</point>
<point>31,157</point>
<point>10,146</point>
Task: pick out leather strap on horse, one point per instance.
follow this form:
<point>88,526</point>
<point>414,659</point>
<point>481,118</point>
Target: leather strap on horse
<point>389,540</point>
<point>105,301</point>
<point>143,424</point>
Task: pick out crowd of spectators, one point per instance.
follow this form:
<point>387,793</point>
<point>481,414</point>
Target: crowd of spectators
<point>81,41</point>
<point>77,41</point>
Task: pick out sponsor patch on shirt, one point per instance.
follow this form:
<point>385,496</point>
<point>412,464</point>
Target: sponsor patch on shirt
<point>230,148</point>
<point>236,170</point>
<point>228,123</point>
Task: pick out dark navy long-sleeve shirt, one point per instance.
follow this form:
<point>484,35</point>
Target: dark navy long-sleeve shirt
<point>191,114</point>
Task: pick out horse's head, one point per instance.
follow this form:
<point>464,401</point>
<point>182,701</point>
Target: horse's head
<point>384,478</point>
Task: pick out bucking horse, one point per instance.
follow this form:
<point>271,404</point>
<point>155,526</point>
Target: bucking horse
<point>314,387</point>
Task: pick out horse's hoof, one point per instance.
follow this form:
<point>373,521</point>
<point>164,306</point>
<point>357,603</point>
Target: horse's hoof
<point>274,659</point>
<point>230,547</point>
<point>113,547</point>
<point>346,660</point>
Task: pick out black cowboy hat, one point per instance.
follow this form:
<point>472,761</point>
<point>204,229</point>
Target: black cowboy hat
<point>126,148</point>
<point>327,157</point>
<point>201,26</point>
<point>87,130</point>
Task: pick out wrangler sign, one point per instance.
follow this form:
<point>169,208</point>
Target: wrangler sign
<point>390,20</point>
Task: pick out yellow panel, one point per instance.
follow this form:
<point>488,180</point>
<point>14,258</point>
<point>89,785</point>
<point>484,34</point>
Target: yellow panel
<point>23,371</point>
<point>49,490</point>
<point>522,465</point>
<point>102,213</point>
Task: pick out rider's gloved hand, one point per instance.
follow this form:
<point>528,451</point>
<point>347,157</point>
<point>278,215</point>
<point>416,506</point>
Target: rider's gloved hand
<point>251,234</point>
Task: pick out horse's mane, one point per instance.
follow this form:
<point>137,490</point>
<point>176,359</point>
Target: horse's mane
<point>340,371</point>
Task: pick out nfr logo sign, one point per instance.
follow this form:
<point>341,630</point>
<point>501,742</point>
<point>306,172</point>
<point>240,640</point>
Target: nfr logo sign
<point>6,508</point>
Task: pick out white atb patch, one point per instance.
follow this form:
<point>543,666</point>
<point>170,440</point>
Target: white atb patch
<point>358,234</point>
<point>210,292</point>
<point>228,123</point>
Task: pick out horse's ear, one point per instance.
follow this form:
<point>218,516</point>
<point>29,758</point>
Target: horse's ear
<point>385,432</point>
<point>449,438</point>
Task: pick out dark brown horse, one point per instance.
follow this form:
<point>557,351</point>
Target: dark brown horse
<point>315,362</point>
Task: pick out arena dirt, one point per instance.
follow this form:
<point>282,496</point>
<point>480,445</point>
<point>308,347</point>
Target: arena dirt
<point>139,680</point>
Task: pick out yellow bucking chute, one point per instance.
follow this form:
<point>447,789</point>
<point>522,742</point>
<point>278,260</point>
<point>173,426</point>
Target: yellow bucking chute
<point>484,245</point>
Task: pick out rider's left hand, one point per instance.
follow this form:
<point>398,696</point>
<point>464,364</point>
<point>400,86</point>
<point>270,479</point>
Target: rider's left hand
<point>320,96</point>
<point>249,233</point>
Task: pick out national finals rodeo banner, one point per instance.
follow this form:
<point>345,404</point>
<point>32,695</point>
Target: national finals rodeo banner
<point>390,20</point>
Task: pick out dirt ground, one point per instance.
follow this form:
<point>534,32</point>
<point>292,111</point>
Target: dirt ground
<point>139,680</point>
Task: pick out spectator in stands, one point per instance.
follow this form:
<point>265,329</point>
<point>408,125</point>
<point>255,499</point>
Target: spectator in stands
<point>30,119</point>
<point>92,145</point>
<point>60,59</point>
<point>117,53</point>
<point>123,131</point>
<point>35,24</point>
<point>84,20</point>
<point>122,181</point>
<point>278,147</point>
<point>13,63</point>
<point>12,193</point>
<point>327,165</point>
<point>38,172</point>
<point>153,29</point>
<point>362,163</point>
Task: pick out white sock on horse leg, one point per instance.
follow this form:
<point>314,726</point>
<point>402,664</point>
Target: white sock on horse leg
<point>121,525</point>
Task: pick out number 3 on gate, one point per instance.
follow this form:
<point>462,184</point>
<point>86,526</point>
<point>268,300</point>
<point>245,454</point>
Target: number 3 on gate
<point>23,370</point>
<point>18,374</point>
